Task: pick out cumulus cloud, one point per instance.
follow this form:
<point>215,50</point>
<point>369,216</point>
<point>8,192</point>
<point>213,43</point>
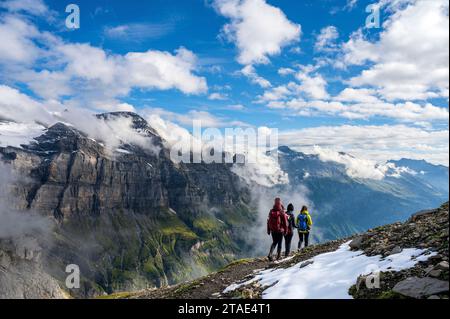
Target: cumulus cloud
<point>34,7</point>
<point>310,85</point>
<point>410,59</point>
<point>55,69</point>
<point>16,45</point>
<point>250,72</point>
<point>216,96</point>
<point>355,167</point>
<point>258,29</point>
<point>379,143</point>
<point>326,39</point>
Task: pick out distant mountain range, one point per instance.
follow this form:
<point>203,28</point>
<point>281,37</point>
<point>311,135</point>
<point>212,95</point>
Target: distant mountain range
<point>133,218</point>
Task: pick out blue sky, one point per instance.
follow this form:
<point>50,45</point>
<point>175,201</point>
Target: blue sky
<point>318,70</point>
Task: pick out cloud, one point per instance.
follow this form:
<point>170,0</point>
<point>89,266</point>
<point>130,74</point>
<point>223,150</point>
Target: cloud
<point>351,4</point>
<point>357,95</point>
<point>410,59</point>
<point>217,96</point>
<point>355,167</point>
<point>33,7</point>
<point>137,32</point>
<point>14,223</point>
<point>19,107</point>
<point>187,119</point>
<point>326,39</point>
<point>250,72</point>
<point>258,29</point>
<point>379,143</point>
<point>87,75</point>
<point>310,85</point>
<point>16,45</point>
<point>314,86</point>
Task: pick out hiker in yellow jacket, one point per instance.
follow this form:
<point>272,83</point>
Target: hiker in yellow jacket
<point>303,223</point>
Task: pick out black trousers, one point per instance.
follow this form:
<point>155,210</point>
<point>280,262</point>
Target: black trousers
<point>287,244</point>
<point>277,240</point>
<point>303,237</point>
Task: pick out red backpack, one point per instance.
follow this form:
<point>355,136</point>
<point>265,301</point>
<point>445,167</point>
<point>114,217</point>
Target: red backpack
<point>275,223</point>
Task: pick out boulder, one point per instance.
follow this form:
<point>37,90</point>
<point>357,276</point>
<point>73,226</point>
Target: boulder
<point>396,250</point>
<point>356,243</point>
<point>415,287</point>
<point>443,265</point>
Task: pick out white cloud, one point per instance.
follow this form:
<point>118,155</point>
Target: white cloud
<point>357,95</point>
<point>378,143</point>
<point>138,31</point>
<point>285,71</point>
<point>250,72</point>
<point>87,75</point>
<point>314,86</point>
<point>19,107</point>
<point>351,4</point>
<point>236,107</point>
<point>412,53</point>
<point>34,7</point>
<point>355,167</point>
<point>16,45</point>
<point>258,29</point>
<point>326,39</point>
<point>187,119</point>
<point>217,96</point>
<point>405,112</point>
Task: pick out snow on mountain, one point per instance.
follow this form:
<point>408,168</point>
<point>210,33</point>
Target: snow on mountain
<point>329,275</point>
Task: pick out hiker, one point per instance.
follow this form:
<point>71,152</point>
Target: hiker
<point>276,226</point>
<point>304,223</point>
<point>290,229</point>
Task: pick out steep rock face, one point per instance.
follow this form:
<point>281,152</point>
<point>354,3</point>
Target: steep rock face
<point>129,219</point>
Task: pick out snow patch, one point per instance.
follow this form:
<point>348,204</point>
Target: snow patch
<point>330,275</point>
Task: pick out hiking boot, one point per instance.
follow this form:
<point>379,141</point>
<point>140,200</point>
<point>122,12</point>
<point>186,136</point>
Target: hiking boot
<point>278,256</point>
<point>270,258</point>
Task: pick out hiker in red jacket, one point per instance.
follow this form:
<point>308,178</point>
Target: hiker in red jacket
<point>277,227</point>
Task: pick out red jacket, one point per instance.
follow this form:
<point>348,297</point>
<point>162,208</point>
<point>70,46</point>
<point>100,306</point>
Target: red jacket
<point>278,223</point>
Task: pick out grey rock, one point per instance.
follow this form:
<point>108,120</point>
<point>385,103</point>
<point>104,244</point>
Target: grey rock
<point>396,250</point>
<point>306,263</point>
<point>435,273</point>
<point>433,297</point>
<point>443,265</point>
<point>421,213</point>
<point>356,243</point>
<point>415,287</point>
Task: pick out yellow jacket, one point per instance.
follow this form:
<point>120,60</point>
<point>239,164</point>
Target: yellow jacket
<point>308,219</point>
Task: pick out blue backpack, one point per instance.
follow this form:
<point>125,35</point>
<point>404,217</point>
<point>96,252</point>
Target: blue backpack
<point>302,223</point>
